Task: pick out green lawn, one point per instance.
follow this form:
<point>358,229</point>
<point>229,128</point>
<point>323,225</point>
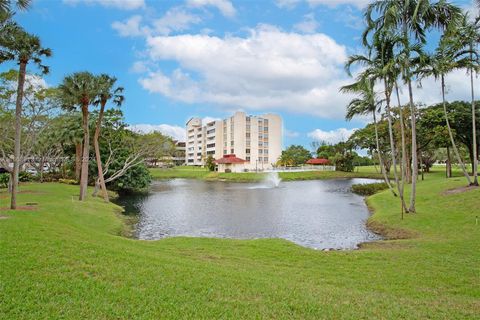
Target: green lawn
<point>66,260</point>
<point>201,173</point>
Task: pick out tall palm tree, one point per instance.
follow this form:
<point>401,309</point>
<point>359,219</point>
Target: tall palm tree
<point>411,19</point>
<point>447,57</point>
<point>22,47</point>
<point>468,34</point>
<point>107,91</point>
<point>367,103</point>
<point>81,90</point>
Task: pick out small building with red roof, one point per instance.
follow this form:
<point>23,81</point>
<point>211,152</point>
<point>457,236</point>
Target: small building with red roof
<point>318,162</point>
<point>230,163</point>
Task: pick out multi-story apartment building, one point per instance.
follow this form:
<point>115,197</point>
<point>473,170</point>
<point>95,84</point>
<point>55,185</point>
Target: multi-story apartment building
<point>255,139</point>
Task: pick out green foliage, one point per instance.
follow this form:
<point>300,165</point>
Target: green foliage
<point>24,176</point>
<point>294,155</point>
<point>210,163</point>
<point>344,161</point>
<point>369,188</point>
<point>4,178</point>
<point>67,181</point>
<point>136,179</point>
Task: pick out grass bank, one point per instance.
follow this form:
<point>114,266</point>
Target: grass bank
<point>201,173</point>
<point>66,260</point>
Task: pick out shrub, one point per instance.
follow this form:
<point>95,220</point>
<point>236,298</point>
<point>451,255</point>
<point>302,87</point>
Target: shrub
<point>369,189</point>
<point>67,181</point>
<point>4,177</point>
<point>24,176</point>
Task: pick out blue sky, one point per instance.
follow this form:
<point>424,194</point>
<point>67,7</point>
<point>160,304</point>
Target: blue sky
<point>208,58</point>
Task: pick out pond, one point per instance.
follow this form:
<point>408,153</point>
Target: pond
<point>318,214</point>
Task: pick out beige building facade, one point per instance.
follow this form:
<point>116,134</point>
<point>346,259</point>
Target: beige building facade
<point>255,139</point>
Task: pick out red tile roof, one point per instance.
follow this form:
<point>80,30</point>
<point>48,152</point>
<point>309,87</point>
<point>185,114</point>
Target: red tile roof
<point>318,161</point>
<point>229,159</point>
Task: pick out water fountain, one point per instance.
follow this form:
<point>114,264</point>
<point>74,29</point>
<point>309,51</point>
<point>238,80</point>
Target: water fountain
<point>273,179</point>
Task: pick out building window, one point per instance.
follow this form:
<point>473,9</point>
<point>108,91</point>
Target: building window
<point>260,143</point>
<point>265,129</point>
<point>211,131</point>
<point>265,159</point>
<point>232,151</point>
<point>265,151</point>
<point>199,135</point>
<point>211,145</point>
<point>210,152</point>
<point>247,150</point>
<point>248,159</point>
<point>260,151</point>
<point>231,143</point>
<point>248,135</point>
<point>224,151</point>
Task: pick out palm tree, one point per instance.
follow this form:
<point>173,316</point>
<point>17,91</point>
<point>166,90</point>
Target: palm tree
<point>18,45</point>
<point>367,103</point>
<point>411,19</point>
<point>468,35</point>
<point>6,5</point>
<point>106,92</point>
<point>447,57</point>
<point>81,90</point>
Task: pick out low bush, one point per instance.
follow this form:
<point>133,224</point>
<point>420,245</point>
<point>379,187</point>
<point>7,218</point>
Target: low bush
<point>24,176</point>
<point>4,177</point>
<point>369,189</point>
<point>67,181</point>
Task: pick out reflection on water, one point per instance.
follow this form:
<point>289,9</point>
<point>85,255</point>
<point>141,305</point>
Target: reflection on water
<point>317,214</point>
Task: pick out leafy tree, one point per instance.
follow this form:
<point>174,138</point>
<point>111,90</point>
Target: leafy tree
<point>295,155</point>
<point>210,163</point>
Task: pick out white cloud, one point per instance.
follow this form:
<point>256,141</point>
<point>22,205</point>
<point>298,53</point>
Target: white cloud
<point>288,4</point>
<point>118,4</point>
<point>332,136</point>
<point>458,88</point>
<point>206,120</point>
<point>131,27</point>
<point>176,132</point>
<point>334,3</point>
<point>308,25</point>
<point>175,19</point>
<point>290,133</point>
<point>269,69</point>
<point>139,67</point>
<point>225,6</point>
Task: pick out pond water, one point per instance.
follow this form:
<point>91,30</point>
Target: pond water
<point>317,214</point>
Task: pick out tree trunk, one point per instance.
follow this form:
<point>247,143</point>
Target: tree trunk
<point>450,133</point>
<point>85,154</point>
<point>474,126</point>
<point>404,171</point>
<point>97,186</point>
<point>18,133</point>
<point>78,160</point>
<point>392,143</point>
<point>414,148</point>
<point>97,151</point>
<point>449,164</point>
<point>380,161</point>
